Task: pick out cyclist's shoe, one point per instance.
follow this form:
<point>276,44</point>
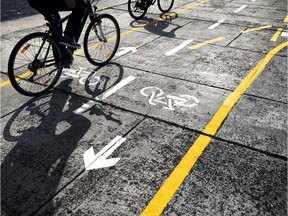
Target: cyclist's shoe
<point>66,59</point>
<point>69,42</point>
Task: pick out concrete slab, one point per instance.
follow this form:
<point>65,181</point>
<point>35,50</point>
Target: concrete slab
<point>199,31</point>
<point>260,124</point>
<point>255,2</point>
<point>215,183</point>
<point>272,82</point>
<point>231,180</point>
<point>43,143</point>
<point>10,99</point>
<point>259,41</point>
<point>236,19</point>
<point>126,188</point>
<point>201,101</point>
<point>254,11</point>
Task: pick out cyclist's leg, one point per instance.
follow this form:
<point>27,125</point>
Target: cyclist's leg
<point>74,22</point>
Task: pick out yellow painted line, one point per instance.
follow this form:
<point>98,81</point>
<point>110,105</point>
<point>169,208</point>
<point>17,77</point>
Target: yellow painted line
<point>286,19</point>
<point>4,83</point>
<point>256,29</point>
<point>277,34</point>
<point>7,82</point>
<point>176,178</point>
<point>206,42</point>
<point>81,51</point>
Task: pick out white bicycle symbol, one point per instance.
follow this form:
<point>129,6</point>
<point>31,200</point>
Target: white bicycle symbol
<point>156,95</point>
<point>82,75</point>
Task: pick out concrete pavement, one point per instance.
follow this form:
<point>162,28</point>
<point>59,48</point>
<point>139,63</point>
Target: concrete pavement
<point>205,128</point>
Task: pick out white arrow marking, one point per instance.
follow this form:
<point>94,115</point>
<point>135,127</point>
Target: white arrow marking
<point>100,160</point>
<point>125,50</point>
<point>176,49</point>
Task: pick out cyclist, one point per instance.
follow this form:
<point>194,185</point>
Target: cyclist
<point>50,10</point>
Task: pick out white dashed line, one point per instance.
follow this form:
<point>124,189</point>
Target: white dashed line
<point>104,95</point>
<point>216,24</point>
<point>239,9</point>
<point>176,49</point>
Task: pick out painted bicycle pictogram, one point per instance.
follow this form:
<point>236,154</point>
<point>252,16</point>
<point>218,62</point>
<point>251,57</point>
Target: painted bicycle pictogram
<point>156,95</point>
<point>84,76</point>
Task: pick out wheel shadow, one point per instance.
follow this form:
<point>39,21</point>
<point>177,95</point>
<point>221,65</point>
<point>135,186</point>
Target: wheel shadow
<point>159,27</point>
<point>44,133</point>
<point>99,81</point>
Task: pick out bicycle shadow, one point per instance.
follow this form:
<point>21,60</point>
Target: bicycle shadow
<point>45,132</point>
<point>159,27</point>
<point>108,76</point>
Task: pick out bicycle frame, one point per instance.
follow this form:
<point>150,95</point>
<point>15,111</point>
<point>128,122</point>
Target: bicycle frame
<point>88,12</point>
<point>51,31</point>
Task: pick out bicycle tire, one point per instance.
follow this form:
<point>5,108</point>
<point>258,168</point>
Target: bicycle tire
<point>134,9</point>
<point>99,51</point>
<point>22,78</point>
<point>165,5</point>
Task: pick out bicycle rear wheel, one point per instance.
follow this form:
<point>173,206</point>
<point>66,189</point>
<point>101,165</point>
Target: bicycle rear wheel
<point>165,5</point>
<point>134,9</point>
<point>31,67</point>
<point>101,39</point>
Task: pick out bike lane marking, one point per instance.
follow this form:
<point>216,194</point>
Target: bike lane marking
<point>239,9</point>
<point>81,51</point>
<point>206,42</point>
<point>105,94</point>
<point>176,49</point>
<point>256,29</point>
<point>276,34</point>
<point>216,24</point>
<point>178,175</point>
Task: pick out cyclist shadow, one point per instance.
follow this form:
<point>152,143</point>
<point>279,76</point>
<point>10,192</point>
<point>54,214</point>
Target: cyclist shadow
<point>113,74</point>
<point>32,170</point>
<point>159,27</point>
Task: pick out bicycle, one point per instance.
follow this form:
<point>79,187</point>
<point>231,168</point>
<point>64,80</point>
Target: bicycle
<point>138,8</point>
<point>33,65</point>
<point>156,95</point>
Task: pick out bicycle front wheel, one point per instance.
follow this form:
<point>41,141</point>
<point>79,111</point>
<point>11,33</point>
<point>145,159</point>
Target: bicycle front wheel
<point>165,5</point>
<point>101,39</point>
<point>31,67</point>
<point>135,9</point>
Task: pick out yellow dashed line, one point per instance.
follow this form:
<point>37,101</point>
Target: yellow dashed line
<point>173,182</point>
<point>286,19</point>
<point>277,34</point>
<point>256,29</point>
<point>206,42</point>
<point>4,83</point>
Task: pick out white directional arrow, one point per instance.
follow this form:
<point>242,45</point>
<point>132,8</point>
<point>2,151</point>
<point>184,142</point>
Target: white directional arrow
<point>100,160</point>
<point>125,50</point>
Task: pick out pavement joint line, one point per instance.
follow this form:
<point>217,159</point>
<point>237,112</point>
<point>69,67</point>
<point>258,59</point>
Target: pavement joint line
<point>256,29</point>
<point>206,43</point>
<point>178,175</point>
<point>276,34</point>
<point>81,51</point>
